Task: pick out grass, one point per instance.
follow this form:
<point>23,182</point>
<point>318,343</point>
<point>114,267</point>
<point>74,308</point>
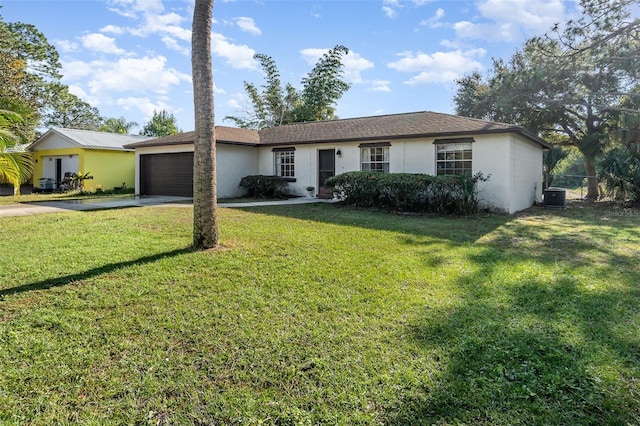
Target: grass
<point>318,314</point>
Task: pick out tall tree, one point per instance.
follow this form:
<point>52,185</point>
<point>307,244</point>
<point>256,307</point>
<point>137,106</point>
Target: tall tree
<point>117,125</point>
<point>276,105</point>
<point>205,222</point>
<point>568,82</point>
<point>30,75</point>
<point>16,164</point>
<point>162,123</point>
<point>64,109</point>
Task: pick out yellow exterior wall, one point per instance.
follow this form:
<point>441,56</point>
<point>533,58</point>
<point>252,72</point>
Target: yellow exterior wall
<point>108,168</point>
<point>39,155</point>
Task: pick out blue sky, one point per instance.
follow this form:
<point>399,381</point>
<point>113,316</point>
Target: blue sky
<point>129,57</point>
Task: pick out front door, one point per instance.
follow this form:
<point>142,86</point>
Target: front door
<point>58,172</point>
<point>326,169</point>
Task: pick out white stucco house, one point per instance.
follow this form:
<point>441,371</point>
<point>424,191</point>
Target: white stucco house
<point>306,154</point>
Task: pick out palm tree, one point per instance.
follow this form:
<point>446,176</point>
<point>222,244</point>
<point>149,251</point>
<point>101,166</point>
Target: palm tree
<point>117,125</point>
<point>205,223</point>
<point>16,164</point>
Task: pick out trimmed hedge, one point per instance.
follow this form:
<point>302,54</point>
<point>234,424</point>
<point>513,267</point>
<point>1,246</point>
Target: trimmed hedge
<point>409,192</point>
<point>261,186</point>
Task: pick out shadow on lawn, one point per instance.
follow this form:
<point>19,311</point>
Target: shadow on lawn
<point>521,349</point>
<point>68,279</point>
<point>456,229</point>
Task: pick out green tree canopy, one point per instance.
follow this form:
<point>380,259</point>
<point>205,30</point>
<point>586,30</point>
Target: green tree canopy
<point>162,123</point>
<point>570,82</point>
<point>117,125</point>
<point>30,75</point>
<point>16,164</point>
<point>276,105</point>
<point>64,109</point>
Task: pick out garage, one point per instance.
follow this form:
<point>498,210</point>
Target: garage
<point>167,174</point>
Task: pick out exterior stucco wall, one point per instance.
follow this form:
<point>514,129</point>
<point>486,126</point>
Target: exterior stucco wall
<point>526,186</point>
<point>109,169</point>
<point>72,159</point>
<point>513,163</point>
<point>491,157</point>
<point>233,162</point>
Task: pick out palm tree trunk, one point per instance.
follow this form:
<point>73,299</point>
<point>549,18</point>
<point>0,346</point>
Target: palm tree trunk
<point>205,223</point>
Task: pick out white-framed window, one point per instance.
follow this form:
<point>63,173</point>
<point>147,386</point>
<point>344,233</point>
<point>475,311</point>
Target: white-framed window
<point>454,158</point>
<point>284,162</point>
<point>374,157</point>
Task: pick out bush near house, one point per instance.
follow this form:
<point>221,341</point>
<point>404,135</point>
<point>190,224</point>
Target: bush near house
<point>409,192</point>
<point>261,186</point>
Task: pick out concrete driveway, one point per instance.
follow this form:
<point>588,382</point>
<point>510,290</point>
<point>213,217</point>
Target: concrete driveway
<point>103,203</point>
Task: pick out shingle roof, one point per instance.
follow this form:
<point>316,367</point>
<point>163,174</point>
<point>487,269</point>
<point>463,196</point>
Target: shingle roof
<point>394,126</point>
<point>228,135</point>
<point>92,139</point>
<point>382,127</point>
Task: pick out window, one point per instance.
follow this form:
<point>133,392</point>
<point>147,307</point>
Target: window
<point>284,162</point>
<point>453,159</point>
<point>374,158</point>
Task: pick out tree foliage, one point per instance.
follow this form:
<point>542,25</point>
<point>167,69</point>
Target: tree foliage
<point>162,123</point>
<point>30,75</point>
<point>16,164</point>
<point>64,109</point>
<point>117,125</point>
<point>275,105</point>
<point>571,81</point>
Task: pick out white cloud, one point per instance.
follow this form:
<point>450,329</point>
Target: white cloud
<point>130,8</point>
<point>75,70</point>
<point>66,45</point>
<point>435,20</point>
<point>144,105</point>
<point>173,44</point>
<point>101,43</point>
<point>148,74</point>
<point>509,19</point>
<point>112,29</point>
<point>439,67</point>
<point>353,63</point>
<point>79,92</point>
<point>247,25</point>
<point>237,56</point>
<point>389,11</point>
<point>152,19</point>
<point>380,86</point>
<point>391,7</point>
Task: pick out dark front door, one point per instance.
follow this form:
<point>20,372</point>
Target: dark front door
<point>326,169</point>
<point>58,172</point>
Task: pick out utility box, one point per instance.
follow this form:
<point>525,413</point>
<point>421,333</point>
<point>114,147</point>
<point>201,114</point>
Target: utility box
<point>555,198</point>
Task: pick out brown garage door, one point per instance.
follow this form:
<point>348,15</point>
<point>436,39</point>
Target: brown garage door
<point>167,174</point>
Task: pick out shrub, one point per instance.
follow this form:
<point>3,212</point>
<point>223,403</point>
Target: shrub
<point>409,192</point>
<point>620,171</point>
<point>261,186</point>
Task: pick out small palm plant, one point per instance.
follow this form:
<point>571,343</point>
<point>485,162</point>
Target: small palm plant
<point>16,164</point>
<point>77,180</point>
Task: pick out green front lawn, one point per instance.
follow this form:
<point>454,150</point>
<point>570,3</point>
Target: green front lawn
<point>320,314</point>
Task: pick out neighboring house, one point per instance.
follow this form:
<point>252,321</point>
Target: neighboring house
<point>306,154</point>
<point>61,152</point>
